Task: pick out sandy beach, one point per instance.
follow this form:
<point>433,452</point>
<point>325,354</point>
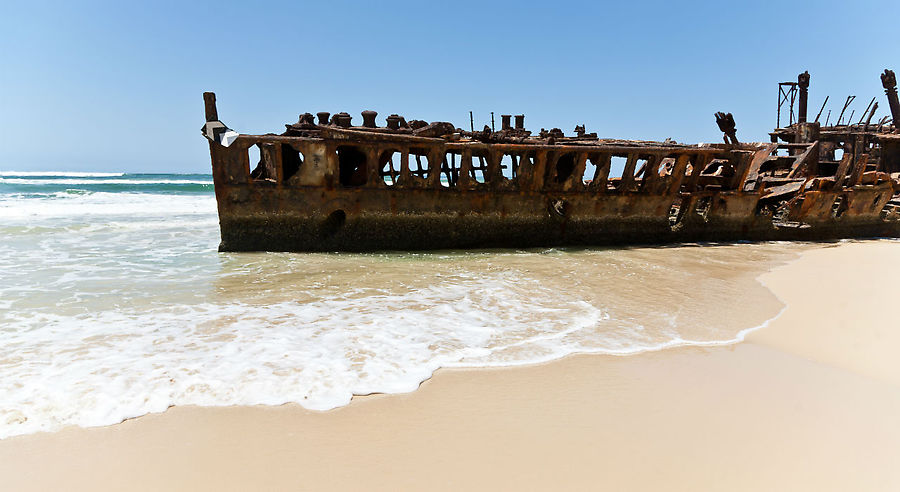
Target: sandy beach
<point>809,402</point>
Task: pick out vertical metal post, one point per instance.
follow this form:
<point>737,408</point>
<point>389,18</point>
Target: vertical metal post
<point>793,98</point>
<point>889,81</point>
<point>803,83</point>
<point>778,122</point>
<point>209,103</point>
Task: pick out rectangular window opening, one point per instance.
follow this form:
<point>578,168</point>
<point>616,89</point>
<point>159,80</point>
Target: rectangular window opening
<point>450,169</point>
<point>418,163</point>
<point>565,167</point>
<point>291,160</point>
<point>590,172</point>
<point>509,165</point>
<point>264,170</point>
<point>616,169</point>
<point>389,166</point>
<point>352,166</point>
<point>479,168</point>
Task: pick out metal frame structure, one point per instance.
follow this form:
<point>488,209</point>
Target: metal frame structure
<point>327,185</point>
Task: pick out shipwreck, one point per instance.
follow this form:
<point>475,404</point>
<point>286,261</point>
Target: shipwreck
<point>325,184</point>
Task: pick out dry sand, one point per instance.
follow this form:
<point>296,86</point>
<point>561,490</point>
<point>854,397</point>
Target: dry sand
<point>810,402</point>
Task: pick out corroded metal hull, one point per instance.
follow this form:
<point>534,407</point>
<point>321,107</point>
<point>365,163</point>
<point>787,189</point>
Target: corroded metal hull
<point>409,233</point>
<point>329,186</point>
<point>255,217</point>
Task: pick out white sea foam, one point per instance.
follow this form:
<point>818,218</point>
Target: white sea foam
<point>114,305</point>
<point>60,173</point>
<point>100,368</point>
<point>67,204</point>
<point>76,182</point>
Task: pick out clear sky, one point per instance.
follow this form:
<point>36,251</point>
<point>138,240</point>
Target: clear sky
<point>90,86</point>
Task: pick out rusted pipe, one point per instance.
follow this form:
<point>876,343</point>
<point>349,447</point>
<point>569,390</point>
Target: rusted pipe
<point>889,81</point>
<point>212,114</point>
<point>803,83</point>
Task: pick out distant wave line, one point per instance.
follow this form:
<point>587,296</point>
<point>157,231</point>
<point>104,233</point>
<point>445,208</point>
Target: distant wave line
<point>102,181</point>
<point>65,174</point>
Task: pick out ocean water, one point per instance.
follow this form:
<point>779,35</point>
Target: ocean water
<point>115,303</point>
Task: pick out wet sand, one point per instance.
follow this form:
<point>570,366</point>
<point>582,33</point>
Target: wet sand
<point>809,402</point>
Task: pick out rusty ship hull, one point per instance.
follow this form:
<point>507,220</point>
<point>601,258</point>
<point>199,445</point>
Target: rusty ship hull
<point>331,186</point>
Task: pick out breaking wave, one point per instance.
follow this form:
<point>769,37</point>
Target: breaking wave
<point>59,174</point>
<point>80,205</point>
<point>70,182</point>
<point>116,304</point>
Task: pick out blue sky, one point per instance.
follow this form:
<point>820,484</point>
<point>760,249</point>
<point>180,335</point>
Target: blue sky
<point>109,87</point>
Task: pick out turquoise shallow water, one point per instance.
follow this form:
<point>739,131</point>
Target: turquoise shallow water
<point>34,185</point>
<point>114,303</point>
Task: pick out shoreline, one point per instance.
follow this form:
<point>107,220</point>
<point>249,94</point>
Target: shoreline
<point>739,415</point>
<point>584,314</point>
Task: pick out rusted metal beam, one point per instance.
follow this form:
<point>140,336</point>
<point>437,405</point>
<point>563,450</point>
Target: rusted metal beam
<point>846,104</point>
<point>805,161</point>
<point>821,109</point>
<point>627,180</point>
<point>678,174</point>
<point>601,176</point>
<point>841,175</point>
<point>866,112</point>
<point>859,167</point>
<point>889,82</point>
